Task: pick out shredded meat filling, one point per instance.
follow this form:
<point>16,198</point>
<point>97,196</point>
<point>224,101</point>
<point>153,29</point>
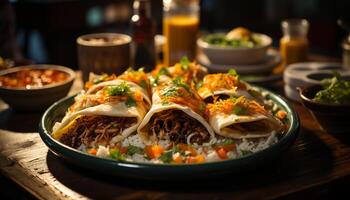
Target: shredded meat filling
<point>176,126</point>
<point>96,130</point>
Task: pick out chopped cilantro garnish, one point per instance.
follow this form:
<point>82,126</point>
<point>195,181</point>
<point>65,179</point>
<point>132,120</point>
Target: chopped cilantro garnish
<point>232,72</point>
<point>184,63</point>
<point>202,107</point>
<point>118,90</point>
<point>335,91</point>
<point>225,142</point>
<point>162,71</point>
<point>100,79</point>
<point>143,84</point>
<point>180,83</point>
<point>130,102</point>
<point>167,157</point>
<point>238,110</point>
<point>170,91</point>
<point>254,93</point>
<point>199,85</point>
<point>134,149</point>
<point>116,154</point>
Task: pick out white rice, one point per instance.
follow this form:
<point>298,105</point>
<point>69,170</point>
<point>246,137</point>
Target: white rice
<point>243,147</point>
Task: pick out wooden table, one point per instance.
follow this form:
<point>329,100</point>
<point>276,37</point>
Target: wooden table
<point>317,165</point>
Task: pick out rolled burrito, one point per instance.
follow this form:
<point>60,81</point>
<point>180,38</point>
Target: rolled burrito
<point>103,115</point>
<point>177,115</point>
<point>190,72</point>
<point>242,118</point>
<point>221,86</point>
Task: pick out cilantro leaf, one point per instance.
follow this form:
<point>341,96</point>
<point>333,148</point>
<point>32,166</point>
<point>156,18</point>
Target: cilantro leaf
<point>130,102</point>
<point>239,110</point>
<point>116,154</point>
<point>131,150</point>
<point>118,90</point>
<point>232,72</point>
<point>184,63</point>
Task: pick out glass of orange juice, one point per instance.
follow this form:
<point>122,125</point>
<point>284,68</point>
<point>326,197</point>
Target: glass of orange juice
<point>294,43</point>
<point>180,28</point>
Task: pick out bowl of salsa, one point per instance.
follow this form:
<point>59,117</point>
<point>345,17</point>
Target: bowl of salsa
<point>329,103</point>
<point>35,87</point>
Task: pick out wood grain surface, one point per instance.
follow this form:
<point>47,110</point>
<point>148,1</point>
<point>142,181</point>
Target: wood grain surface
<point>316,163</point>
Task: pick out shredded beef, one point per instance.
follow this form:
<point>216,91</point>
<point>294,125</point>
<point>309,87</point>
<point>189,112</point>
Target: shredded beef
<point>177,126</point>
<point>96,130</point>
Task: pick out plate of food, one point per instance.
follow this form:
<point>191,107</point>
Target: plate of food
<point>176,122</point>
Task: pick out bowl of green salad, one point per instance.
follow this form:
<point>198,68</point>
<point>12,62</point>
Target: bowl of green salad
<point>240,46</point>
<point>329,102</point>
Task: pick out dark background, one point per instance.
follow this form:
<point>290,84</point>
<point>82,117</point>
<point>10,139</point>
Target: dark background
<point>46,30</point>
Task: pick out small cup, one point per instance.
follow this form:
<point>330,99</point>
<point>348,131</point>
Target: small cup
<point>103,53</point>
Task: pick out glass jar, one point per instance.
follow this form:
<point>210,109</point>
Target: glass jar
<point>294,43</point>
<point>346,52</point>
<point>180,28</point>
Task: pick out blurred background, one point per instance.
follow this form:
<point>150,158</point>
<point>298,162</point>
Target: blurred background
<point>45,31</point>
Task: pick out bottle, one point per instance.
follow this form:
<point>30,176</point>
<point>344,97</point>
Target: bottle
<point>143,32</point>
<point>180,28</point>
<point>294,43</point>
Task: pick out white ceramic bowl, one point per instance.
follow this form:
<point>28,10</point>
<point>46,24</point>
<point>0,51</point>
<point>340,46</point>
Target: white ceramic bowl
<point>235,56</point>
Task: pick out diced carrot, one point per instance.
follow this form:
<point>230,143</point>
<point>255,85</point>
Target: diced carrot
<point>222,153</point>
<point>185,147</point>
<point>93,151</point>
<point>200,158</point>
<point>281,114</point>
<point>229,147</point>
<point>138,96</point>
<point>154,151</point>
<point>177,159</point>
<point>195,159</point>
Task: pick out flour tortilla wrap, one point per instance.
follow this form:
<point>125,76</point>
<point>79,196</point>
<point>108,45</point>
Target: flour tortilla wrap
<point>243,123</point>
<point>223,85</point>
<point>107,109</point>
<point>190,108</point>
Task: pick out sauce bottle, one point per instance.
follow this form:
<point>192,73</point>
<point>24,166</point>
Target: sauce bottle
<point>294,43</point>
<point>143,32</point>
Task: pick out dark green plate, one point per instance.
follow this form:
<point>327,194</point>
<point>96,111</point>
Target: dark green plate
<point>166,171</point>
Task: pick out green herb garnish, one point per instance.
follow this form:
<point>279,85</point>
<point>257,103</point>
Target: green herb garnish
<point>225,142</point>
<point>202,107</point>
<point>170,91</point>
<point>130,102</point>
<point>162,71</point>
<point>143,84</point>
<point>121,89</point>
<point>239,110</point>
<point>199,85</point>
<point>116,154</point>
<point>335,91</point>
<point>131,150</point>
<point>232,72</point>
<point>167,157</point>
<point>184,63</point>
<point>100,79</point>
<point>180,83</point>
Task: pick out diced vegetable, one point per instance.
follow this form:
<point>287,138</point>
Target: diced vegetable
<point>92,151</point>
<point>222,153</point>
<point>131,150</point>
<point>154,151</point>
<point>116,154</point>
